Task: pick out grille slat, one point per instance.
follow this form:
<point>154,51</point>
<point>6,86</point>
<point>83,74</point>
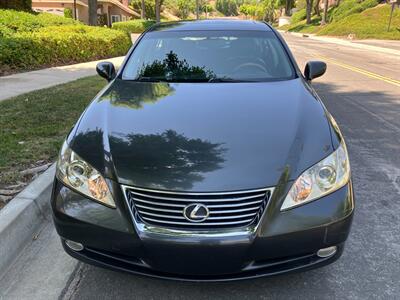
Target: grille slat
<point>226,209</point>
<point>186,224</point>
<point>205,200</point>
<point>180,211</point>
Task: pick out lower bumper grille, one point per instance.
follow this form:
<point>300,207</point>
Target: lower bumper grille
<point>219,210</point>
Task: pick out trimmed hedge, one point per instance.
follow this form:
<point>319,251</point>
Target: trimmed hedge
<point>30,41</point>
<point>22,21</point>
<point>59,45</point>
<point>133,26</point>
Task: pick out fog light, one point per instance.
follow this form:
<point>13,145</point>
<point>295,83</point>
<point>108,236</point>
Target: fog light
<point>74,245</point>
<point>326,252</point>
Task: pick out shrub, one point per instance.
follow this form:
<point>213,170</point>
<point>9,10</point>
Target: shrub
<point>68,13</point>
<point>22,21</point>
<point>55,45</point>
<point>133,26</point>
<point>25,5</point>
<point>299,16</point>
<point>5,31</point>
<point>150,7</point>
<point>227,7</point>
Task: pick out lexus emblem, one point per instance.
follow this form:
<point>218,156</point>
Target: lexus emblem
<point>196,212</point>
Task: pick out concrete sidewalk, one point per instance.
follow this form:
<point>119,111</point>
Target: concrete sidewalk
<point>20,83</point>
<point>379,46</point>
<point>17,84</point>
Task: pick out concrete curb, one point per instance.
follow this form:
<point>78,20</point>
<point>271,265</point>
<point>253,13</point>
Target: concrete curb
<point>342,42</point>
<point>22,218</point>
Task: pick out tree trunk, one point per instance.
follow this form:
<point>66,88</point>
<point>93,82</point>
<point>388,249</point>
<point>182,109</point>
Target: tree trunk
<point>288,7</point>
<point>316,8</point>
<point>143,12</point>
<point>158,13</point>
<point>325,18</point>
<point>92,12</point>
<point>197,10</point>
<point>309,10</point>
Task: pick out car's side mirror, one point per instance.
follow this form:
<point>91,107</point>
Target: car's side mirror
<point>314,69</point>
<point>106,70</point>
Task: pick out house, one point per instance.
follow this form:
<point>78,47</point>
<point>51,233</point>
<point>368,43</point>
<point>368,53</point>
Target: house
<point>108,11</point>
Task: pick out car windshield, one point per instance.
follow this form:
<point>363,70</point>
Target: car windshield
<point>209,56</point>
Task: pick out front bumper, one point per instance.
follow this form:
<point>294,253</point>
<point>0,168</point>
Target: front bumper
<point>282,242</point>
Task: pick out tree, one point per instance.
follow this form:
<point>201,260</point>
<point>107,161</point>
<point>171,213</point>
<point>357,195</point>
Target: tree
<point>184,8</point>
<point>309,5</point>
<point>143,10</point>
<point>23,5</point>
<point>227,7</point>
<point>92,12</point>
<point>149,11</point>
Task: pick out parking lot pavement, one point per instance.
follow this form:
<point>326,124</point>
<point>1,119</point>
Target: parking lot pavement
<point>367,108</point>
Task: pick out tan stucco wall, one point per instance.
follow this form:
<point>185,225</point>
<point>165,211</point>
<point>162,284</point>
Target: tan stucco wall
<point>58,9</point>
<point>83,14</point>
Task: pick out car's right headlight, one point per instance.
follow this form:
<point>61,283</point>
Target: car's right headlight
<point>79,175</point>
<point>323,178</point>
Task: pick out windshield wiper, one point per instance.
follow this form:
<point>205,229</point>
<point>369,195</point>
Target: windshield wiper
<point>227,79</point>
<point>148,79</point>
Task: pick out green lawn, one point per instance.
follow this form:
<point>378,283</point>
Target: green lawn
<point>34,125</point>
<point>371,23</point>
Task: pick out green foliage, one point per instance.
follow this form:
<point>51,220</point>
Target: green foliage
<point>299,16</point>
<point>24,5</point>
<point>185,7</point>
<point>371,23</point>
<point>208,8</point>
<point>68,13</point>
<point>350,7</point>
<point>5,31</point>
<point>248,9</point>
<point>30,41</point>
<point>301,4</point>
<point>149,5</point>
<point>56,45</point>
<point>133,26</point>
<point>22,21</point>
<point>227,7</point>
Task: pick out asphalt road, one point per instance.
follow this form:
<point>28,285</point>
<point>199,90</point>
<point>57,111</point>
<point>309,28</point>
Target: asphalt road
<point>362,90</point>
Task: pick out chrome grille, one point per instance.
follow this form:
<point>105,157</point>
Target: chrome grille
<point>226,209</point>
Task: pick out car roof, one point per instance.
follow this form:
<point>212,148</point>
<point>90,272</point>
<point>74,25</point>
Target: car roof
<point>215,24</point>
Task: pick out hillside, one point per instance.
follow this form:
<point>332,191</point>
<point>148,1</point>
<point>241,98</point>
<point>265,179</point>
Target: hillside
<point>370,23</point>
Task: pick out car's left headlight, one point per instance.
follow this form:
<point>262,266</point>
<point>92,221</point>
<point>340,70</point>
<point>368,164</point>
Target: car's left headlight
<point>79,175</point>
<point>323,178</point>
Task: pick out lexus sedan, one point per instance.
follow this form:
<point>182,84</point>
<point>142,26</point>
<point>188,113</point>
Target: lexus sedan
<point>207,157</point>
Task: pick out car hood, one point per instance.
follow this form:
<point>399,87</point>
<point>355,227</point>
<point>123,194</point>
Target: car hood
<point>203,136</point>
